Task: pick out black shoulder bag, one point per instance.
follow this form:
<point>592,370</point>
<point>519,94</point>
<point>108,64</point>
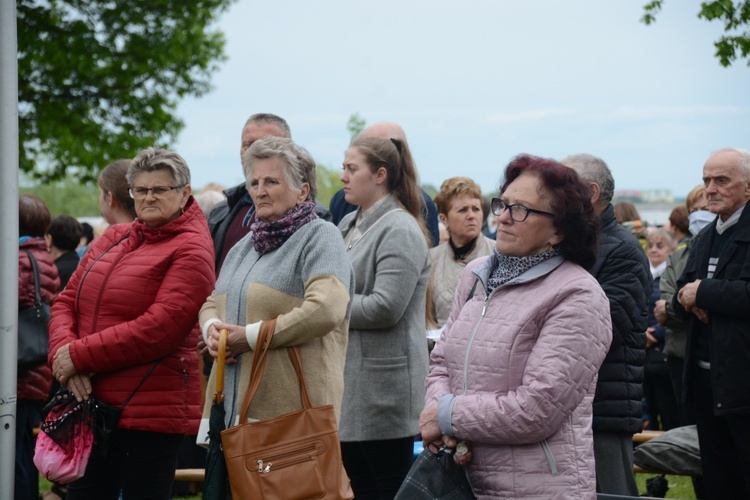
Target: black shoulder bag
<point>33,322</point>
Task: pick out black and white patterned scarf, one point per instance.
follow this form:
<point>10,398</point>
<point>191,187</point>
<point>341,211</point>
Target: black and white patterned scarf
<point>512,267</point>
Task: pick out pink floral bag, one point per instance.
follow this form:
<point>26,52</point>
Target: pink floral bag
<point>64,444</point>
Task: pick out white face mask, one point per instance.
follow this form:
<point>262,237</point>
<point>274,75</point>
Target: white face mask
<point>700,219</point>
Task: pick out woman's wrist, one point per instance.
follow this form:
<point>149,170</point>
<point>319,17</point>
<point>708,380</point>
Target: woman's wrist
<point>206,326</point>
<point>252,331</point>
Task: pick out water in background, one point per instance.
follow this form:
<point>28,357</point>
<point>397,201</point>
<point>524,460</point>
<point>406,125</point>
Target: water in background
<point>655,214</point>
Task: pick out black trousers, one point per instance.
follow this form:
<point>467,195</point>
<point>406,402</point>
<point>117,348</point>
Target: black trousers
<point>140,464</point>
<point>376,469</point>
<point>724,442</point>
<point>26,473</point>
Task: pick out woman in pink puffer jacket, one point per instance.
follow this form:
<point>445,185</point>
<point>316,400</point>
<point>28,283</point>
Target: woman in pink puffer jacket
<point>514,373</point>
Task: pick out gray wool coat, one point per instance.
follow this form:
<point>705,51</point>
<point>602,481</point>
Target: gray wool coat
<point>386,358</point>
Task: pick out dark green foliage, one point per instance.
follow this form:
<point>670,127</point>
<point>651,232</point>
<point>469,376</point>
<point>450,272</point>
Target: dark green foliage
<point>99,80</point>
<point>735,16</point>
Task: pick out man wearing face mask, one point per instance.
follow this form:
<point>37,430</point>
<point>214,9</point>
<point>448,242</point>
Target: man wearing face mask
<point>713,295</point>
<point>676,329</point>
<point>675,338</point>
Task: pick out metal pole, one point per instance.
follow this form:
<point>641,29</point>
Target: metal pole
<point>8,244</point>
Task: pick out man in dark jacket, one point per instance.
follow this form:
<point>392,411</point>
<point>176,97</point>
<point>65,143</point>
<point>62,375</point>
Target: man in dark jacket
<point>714,295</point>
<point>622,270</point>
<point>229,221</point>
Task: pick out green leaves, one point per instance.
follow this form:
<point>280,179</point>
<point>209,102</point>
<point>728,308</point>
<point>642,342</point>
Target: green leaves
<point>650,10</point>
<point>100,80</point>
<point>734,15</point>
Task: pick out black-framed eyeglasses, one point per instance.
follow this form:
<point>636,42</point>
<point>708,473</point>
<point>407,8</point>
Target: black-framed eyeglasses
<point>517,212</point>
<point>138,193</point>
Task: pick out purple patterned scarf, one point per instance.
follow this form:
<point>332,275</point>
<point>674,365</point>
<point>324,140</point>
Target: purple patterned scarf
<point>268,236</point>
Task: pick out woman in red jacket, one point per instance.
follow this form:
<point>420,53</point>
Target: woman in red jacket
<point>34,382</point>
<point>129,314</point>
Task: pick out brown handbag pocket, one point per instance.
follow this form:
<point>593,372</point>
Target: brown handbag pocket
<point>294,470</point>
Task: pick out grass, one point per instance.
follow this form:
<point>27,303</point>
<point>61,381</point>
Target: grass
<point>679,486</point>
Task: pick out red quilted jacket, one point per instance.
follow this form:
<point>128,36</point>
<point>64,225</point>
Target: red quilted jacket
<point>134,299</point>
<point>35,383</point>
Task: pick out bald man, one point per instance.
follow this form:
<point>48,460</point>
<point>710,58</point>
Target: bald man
<point>714,295</point>
<point>339,207</point>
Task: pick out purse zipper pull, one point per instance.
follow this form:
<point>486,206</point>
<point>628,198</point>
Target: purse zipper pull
<point>268,468</point>
<point>260,465</point>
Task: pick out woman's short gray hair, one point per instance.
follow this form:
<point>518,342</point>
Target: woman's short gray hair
<point>300,167</point>
<point>154,159</point>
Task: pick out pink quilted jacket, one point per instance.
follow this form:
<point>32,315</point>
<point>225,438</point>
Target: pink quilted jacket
<point>517,374</point>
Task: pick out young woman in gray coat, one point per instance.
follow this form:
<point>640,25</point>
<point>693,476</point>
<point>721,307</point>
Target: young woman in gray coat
<point>386,359</point>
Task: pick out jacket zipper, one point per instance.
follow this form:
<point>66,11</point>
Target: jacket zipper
<point>550,457</point>
<point>83,278</point>
<point>471,341</point>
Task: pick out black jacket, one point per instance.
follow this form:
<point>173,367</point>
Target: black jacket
<point>622,269</point>
<point>223,213</point>
<point>726,297</point>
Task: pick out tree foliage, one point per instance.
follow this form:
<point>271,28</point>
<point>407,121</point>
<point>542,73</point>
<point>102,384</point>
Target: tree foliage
<point>98,80</point>
<point>328,183</point>
<point>67,197</point>
<point>355,125</point>
<point>736,18</point>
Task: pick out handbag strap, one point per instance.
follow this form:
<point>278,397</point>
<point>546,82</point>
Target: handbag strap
<point>295,355</point>
<point>122,407</point>
<point>265,336</point>
<point>35,271</point>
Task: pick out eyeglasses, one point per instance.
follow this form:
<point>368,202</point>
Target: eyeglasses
<point>517,212</point>
<point>138,193</point>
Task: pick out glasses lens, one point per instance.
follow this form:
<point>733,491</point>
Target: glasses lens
<point>519,213</point>
<point>498,207</point>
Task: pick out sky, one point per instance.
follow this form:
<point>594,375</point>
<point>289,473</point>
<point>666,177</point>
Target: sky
<point>476,82</point>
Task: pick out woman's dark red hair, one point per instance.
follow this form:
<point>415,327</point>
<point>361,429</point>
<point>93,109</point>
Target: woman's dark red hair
<point>569,199</point>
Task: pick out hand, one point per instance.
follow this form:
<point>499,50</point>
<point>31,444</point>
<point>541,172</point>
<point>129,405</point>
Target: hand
<point>463,453</point>
<point>701,314</point>
<point>650,339</point>
<point>202,347</point>
<point>660,312</point>
<point>62,365</point>
<point>428,425</point>
<point>687,294</point>
<point>80,386</point>
<point>236,341</point>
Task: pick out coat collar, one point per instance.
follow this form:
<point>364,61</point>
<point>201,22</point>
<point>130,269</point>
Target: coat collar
<point>389,204</point>
<point>607,218</point>
<point>484,271</point>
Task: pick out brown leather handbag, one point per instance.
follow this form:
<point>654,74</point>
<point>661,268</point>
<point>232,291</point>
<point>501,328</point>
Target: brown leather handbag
<point>292,456</point>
